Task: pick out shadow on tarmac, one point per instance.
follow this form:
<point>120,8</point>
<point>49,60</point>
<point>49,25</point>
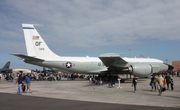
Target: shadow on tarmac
<point>22,102</point>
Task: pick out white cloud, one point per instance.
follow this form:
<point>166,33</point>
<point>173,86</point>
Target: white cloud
<point>94,24</point>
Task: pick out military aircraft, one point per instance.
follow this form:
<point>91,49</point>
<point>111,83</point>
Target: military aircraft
<point>6,67</point>
<point>38,53</point>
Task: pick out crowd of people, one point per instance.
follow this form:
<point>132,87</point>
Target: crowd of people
<point>24,83</point>
<point>100,79</point>
<point>23,80</point>
<point>158,82</point>
<point>34,76</point>
<point>161,82</point>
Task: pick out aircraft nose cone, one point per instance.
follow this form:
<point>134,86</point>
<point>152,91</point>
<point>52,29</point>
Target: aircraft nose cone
<point>170,67</point>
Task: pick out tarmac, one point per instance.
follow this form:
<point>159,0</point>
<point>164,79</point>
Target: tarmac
<point>81,94</point>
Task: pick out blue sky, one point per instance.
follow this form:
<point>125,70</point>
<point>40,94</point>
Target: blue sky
<point>92,27</point>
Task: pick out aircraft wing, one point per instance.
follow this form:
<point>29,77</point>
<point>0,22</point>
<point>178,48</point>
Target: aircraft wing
<point>110,59</point>
<point>25,57</point>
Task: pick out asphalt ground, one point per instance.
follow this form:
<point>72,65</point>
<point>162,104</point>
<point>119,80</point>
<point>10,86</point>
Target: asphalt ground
<point>82,94</point>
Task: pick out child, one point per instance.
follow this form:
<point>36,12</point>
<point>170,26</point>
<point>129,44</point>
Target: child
<point>172,84</point>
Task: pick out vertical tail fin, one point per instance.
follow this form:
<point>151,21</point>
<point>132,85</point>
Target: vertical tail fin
<point>6,66</point>
<point>35,45</point>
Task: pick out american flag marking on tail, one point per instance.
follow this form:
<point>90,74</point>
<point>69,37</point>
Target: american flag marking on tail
<point>35,37</point>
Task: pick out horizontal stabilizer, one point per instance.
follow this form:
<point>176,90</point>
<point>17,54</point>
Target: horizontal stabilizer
<point>25,57</point>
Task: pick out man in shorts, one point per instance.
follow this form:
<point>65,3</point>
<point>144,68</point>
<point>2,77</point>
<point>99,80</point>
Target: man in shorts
<point>160,84</point>
<point>28,82</point>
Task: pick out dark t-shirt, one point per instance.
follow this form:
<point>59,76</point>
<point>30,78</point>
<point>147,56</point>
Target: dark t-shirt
<point>168,78</point>
<point>19,81</point>
<point>134,80</point>
<point>152,79</point>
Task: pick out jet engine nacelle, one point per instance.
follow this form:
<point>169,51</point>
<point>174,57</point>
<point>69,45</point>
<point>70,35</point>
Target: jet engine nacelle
<point>160,67</point>
<point>141,70</point>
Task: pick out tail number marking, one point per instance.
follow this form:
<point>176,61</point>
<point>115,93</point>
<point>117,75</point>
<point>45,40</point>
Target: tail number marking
<point>38,43</point>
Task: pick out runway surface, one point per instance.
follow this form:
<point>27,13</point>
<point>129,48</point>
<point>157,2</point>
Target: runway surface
<point>81,95</point>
